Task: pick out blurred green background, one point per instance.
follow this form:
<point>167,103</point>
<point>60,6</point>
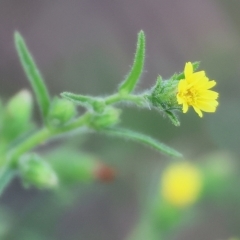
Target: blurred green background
<point>87,47</point>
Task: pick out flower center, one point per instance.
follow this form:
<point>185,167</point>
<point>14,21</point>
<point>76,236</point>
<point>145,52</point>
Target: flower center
<point>190,95</point>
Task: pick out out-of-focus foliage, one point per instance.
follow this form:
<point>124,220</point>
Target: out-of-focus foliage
<point>87,47</point>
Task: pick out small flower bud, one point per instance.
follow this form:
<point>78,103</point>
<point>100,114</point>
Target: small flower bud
<point>163,96</point>
<point>77,167</point>
<point>61,112</point>
<point>35,171</point>
<point>18,113</point>
<point>20,106</point>
<point>99,106</point>
<point>108,118</point>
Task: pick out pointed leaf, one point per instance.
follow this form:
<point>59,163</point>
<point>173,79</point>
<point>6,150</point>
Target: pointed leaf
<point>138,137</point>
<point>86,101</point>
<point>78,99</point>
<point>196,65</point>
<point>132,78</point>
<point>173,118</point>
<point>33,74</point>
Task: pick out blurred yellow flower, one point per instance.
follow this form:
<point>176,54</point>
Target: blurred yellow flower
<point>181,184</point>
<point>194,91</point>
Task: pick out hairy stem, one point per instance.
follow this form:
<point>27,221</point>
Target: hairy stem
<point>42,136</point>
<point>137,99</point>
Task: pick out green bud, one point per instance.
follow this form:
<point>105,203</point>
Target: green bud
<point>17,114</point>
<point>79,167</point>
<point>61,112</point>
<point>108,118</point>
<point>163,96</point>
<point>36,172</point>
<point>73,168</point>
<point>99,106</point>
<point>20,106</point>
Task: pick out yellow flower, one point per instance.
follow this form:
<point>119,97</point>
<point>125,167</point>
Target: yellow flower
<point>181,184</point>
<point>194,91</point>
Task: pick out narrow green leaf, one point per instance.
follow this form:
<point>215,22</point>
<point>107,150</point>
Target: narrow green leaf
<point>78,99</point>
<point>138,137</point>
<point>173,118</point>
<point>196,65</point>
<point>86,101</point>
<point>6,175</point>
<point>33,74</point>
<point>132,78</point>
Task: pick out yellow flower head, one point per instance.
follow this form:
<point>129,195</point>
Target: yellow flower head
<point>194,91</point>
<point>181,184</point>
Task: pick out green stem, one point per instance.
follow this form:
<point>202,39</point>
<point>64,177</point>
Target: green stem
<point>42,136</point>
<point>34,140</point>
<point>137,99</point>
<point>7,172</point>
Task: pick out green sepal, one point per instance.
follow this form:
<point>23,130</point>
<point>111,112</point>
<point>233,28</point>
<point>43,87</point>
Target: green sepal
<point>196,65</point>
<point>108,118</point>
<point>181,75</point>
<point>33,74</point>
<point>173,118</point>
<point>97,104</point>
<point>134,75</point>
<point>34,171</point>
<point>138,137</point>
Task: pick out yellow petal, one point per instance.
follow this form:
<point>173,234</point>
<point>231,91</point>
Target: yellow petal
<point>188,70</point>
<point>205,84</point>
<point>199,75</point>
<point>209,94</point>
<point>185,107</point>
<point>182,85</point>
<point>207,106</point>
<point>200,81</point>
<point>179,99</point>
<point>207,101</point>
<point>211,84</point>
<point>198,111</point>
